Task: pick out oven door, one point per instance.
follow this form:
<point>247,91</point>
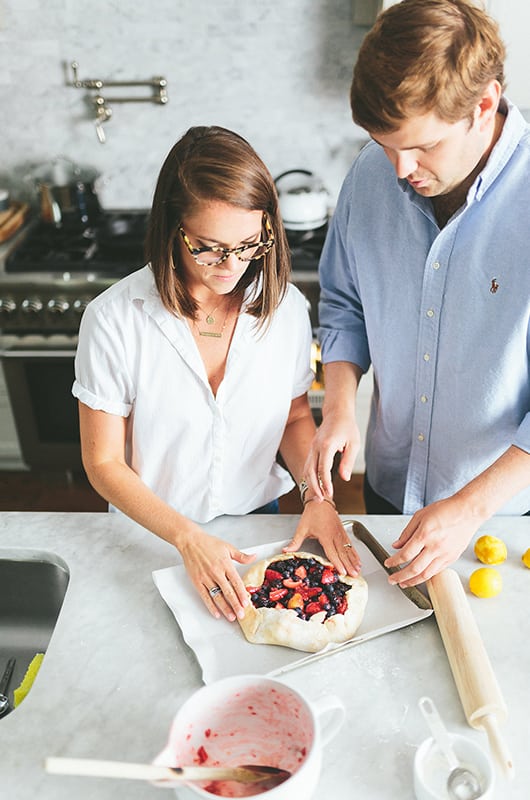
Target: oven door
<point>39,372</point>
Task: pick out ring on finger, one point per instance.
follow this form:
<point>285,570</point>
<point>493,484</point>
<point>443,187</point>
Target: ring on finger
<point>347,544</point>
<point>214,591</point>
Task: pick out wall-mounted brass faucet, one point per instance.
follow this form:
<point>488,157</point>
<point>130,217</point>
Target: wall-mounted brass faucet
<point>101,104</point>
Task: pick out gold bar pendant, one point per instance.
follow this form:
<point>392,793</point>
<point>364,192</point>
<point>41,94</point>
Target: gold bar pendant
<point>207,333</point>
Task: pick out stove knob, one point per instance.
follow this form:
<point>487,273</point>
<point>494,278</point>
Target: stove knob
<point>31,305</point>
<point>80,305</point>
<point>59,306</point>
<point>7,305</point>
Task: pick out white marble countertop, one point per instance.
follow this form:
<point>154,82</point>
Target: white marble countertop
<point>117,669</point>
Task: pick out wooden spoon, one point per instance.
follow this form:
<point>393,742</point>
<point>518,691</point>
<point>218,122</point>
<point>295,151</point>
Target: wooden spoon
<point>247,773</point>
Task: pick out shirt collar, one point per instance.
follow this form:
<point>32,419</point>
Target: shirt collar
<point>145,291</point>
<point>511,134</point>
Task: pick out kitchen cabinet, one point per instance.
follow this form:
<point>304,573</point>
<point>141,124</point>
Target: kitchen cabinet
<point>117,668</point>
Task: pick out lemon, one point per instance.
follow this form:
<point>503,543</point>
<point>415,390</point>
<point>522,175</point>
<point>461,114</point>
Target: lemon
<point>526,558</point>
<point>490,550</point>
<point>485,582</point>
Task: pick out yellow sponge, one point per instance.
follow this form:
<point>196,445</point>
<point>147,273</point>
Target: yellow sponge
<point>29,677</point>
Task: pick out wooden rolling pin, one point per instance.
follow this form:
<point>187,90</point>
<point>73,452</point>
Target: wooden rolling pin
<point>475,680</point>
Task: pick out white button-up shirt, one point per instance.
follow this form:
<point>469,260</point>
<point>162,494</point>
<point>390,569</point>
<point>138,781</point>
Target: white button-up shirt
<point>205,455</point>
<point>443,316</point>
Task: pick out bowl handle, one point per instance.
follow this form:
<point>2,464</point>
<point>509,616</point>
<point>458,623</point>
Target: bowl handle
<point>333,707</point>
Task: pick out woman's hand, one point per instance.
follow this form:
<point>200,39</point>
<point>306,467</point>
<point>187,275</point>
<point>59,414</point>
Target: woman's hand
<point>433,539</point>
<point>320,521</point>
<point>209,563</point>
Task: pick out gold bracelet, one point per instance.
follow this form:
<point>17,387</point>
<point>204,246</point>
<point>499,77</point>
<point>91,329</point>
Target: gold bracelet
<point>325,499</point>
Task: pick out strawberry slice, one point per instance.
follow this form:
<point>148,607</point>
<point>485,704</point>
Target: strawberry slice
<point>271,575</point>
<point>308,592</point>
<point>312,608</point>
<point>301,572</point>
<point>277,594</point>
<point>328,576</point>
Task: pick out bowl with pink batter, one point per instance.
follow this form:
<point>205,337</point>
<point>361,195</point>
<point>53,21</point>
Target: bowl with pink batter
<point>249,719</point>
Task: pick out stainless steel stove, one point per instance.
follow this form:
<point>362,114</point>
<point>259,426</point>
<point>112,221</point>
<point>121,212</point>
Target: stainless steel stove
<point>47,280</point>
<point>51,276</point>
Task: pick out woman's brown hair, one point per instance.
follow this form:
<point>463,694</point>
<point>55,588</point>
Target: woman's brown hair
<point>215,164</point>
<point>425,55</point>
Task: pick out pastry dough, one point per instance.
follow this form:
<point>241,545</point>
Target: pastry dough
<point>294,628</point>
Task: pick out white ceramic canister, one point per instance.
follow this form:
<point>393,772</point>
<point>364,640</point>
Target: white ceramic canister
<point>249,719</point>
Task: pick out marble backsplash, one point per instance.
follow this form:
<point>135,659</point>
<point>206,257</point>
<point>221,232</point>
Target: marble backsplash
<point>277,72</point>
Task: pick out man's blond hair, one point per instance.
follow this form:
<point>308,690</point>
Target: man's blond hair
<point>422,56</point>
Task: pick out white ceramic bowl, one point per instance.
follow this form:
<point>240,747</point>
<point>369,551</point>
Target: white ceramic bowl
<point>249,719</point>
<point>431,769</point>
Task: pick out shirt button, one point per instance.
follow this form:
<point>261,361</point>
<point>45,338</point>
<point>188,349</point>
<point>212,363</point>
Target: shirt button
<point>423,398</point>
<point>430,313</point>
<point>436,265</point>
<point>426,357</point>
<point>421,437</point>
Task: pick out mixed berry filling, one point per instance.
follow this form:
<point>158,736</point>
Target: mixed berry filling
<point>302,584</point>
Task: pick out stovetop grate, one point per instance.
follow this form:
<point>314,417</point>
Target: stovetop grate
<point>115,245</point>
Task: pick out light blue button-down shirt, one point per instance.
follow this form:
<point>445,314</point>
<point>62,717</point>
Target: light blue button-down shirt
<point>442,315</point>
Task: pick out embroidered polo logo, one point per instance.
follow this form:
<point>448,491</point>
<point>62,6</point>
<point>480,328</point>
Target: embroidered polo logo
<point>494,285</point>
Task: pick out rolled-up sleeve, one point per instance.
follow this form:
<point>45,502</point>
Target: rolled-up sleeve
<point>102,379</point>
<point>342,331</point>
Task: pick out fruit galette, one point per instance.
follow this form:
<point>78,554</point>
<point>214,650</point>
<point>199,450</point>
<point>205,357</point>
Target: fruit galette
<point>299,600</point>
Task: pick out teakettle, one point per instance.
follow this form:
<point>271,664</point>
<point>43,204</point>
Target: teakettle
<point>303,198</point>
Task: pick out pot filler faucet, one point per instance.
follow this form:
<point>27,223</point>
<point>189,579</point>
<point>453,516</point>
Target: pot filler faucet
<point>101,104</point>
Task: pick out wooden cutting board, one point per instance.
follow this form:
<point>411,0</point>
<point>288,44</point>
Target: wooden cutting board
<point>12,219</point>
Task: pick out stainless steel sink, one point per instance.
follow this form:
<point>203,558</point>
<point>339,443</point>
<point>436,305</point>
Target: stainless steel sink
<point>32,589</point>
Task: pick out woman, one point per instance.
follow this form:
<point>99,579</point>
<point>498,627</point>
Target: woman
<point>192,373</point>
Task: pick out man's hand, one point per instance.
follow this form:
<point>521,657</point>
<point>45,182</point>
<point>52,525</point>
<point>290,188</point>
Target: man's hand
<point>433,539</point>
<point>337,434</point>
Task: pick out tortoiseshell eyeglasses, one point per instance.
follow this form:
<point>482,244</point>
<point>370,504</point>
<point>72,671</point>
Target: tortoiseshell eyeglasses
<point>210,256</point>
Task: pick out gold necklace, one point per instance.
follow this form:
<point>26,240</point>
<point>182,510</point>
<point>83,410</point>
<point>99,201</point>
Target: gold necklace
<point>210,320</point>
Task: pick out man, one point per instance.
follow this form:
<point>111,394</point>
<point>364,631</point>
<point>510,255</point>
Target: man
<point>426,275</point>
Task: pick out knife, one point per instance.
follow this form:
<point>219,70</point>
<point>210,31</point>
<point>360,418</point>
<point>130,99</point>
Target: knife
<point>377,550</point>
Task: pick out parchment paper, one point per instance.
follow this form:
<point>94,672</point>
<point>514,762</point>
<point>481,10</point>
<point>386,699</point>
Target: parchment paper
<point>220,646</point>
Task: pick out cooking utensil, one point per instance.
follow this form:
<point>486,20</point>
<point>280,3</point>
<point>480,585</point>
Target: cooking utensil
<point>68,192</point>
<point>475,680</point>
<point>12,219</point>
<point>4,683</point>
<point>49,207</point>
<point>462,783</point>
<point>248,773</point>
<point>377,550</point>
